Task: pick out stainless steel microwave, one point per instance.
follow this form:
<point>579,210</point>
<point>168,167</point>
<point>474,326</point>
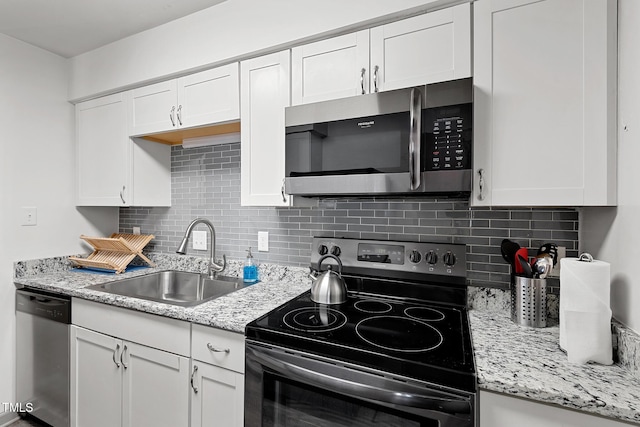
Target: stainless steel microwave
<point>415,141</point>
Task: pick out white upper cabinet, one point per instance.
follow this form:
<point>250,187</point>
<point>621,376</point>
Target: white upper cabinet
<point>429,48</point>
<point>265,94</point>
<point>330,69</point>
<point>195,100</point>
<point>103,152</point>
<point>544,102</point>
<point>423,49</point>
<point>112,168</point>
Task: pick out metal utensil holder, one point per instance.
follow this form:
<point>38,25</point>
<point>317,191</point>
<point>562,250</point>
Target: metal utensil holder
<point>529,302</point>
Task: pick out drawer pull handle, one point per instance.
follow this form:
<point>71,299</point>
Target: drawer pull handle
<point>217,350</point>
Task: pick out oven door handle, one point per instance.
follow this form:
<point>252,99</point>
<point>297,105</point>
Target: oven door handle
<point>449,406</point>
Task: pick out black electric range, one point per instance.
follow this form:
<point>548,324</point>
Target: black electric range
<point>405,314</point>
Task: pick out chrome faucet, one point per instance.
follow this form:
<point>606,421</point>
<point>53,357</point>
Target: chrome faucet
<point>214,267</point>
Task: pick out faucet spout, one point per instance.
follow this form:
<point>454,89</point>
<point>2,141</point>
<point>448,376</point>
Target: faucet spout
<point>214,266</point>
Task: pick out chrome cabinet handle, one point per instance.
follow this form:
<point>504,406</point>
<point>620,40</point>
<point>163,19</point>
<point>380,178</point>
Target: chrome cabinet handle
<point>481,184</point>
<point>414,139</point>
<point>362,80</point>
<point>217,350</point>
<point>193,374</point>
<point>172,114</point>
<point>122,357</point>
<point>180,115</point>
<point>375,78</point>
<point>115,352</point>
<point>122,195</point>
<point>284,199</point>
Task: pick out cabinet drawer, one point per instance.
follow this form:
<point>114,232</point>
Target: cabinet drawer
<point>218,347</point>
<point>159,332</point>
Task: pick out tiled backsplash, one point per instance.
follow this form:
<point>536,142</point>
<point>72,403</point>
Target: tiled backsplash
<point>206,183</point>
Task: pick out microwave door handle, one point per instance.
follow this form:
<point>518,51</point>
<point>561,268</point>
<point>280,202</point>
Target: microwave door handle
<point>415,112</point>
<point>449,406</point>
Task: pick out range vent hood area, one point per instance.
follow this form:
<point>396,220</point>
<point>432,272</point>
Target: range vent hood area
<point>197,134</point>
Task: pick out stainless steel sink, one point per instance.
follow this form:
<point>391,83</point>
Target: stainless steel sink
<point>173,287</point>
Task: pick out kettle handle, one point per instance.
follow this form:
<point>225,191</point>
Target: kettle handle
<point>331,256</point>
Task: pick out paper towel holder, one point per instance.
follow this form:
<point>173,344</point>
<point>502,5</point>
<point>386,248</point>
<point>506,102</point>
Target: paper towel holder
<point>585,257</point>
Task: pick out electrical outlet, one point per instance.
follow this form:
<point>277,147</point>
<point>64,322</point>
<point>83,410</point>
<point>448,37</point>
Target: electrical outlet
<point>263,241</point>
<point>562,253</point>
<point>199,240</point>
<point>136,230</point>
<point>29,216</point>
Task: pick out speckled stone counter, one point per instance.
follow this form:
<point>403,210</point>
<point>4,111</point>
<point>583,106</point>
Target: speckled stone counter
<point>527,362</point>
<point>231,312</point>
<point>510,359</point>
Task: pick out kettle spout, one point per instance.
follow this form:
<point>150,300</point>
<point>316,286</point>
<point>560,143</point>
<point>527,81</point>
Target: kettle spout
<point>313,274</point>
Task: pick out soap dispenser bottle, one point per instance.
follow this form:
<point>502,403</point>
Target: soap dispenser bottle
<point>250,270</point>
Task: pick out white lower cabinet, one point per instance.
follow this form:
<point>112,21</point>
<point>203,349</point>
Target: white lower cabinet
<point>217,376</point>
<point>499,410</point>
<point>128,368</point>
<point>120,383</point>
<point>217,396</point>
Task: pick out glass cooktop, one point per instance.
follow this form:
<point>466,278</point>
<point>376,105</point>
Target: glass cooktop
<point>422,341</point>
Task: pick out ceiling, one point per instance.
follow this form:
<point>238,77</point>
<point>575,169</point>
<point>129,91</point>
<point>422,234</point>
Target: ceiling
<point>71,27</point>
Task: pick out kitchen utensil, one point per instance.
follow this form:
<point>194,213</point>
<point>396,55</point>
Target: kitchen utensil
<point>524,266</point>
<point>328,287</point>
<point>542,266</point>
<point>517,265</point>
<point>509,249</point>
<point>551,249</point>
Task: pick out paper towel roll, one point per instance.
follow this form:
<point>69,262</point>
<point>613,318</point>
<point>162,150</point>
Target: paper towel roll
<point>585,313</point>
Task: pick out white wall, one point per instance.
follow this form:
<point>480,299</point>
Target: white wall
<point>36,169</point>
<point>232,29</point>
<point>613,234</point>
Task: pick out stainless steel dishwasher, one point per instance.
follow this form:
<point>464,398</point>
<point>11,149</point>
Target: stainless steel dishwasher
<point>42,359</point>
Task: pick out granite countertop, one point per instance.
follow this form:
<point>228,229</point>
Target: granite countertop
<point>511,359</point>
<point>527,362</point>
<point>231,312</point>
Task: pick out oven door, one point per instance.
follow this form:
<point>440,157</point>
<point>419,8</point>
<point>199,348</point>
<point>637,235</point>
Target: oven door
<point>285,388</point>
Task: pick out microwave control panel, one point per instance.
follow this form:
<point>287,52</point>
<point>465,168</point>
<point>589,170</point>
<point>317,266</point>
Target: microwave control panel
<point>447,135</point>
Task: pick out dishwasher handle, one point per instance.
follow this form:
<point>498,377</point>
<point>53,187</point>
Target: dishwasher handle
<point>41,304</point>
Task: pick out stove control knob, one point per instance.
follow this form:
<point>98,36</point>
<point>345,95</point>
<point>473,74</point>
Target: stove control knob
<point>414,256</point>
<point>449,259</point>
<point>323,250</point>
<point>431,257</point>
<point>336,251</point>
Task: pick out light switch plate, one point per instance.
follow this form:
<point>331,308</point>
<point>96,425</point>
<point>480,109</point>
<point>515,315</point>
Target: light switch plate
<point>199,240</point>
<point>29,216</point>
<point>263,241</point>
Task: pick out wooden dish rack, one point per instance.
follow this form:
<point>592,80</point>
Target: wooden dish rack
<point>115,252</point>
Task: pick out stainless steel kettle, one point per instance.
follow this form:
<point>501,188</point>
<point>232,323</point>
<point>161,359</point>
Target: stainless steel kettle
<point>328,287</point>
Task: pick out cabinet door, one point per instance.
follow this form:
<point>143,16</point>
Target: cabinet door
<point>545,102</point>
<point>96,379</point>
<point>212,96</point>
<point>498,410</point>
<point>265,94</point>
<point>330,69</point>
<point>156,387</point>
<point>103,152</point>
<point>219,399</point>
<point>424,49</point>
<point>154,108</point>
